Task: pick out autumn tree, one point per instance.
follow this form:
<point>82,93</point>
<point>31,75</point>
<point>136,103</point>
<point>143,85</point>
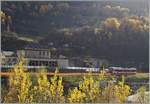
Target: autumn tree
<point>3,17</point>
<point>112,23</point>
<point>40,91</point>
<point>56,89</point>
<point>108,94</point>
<point>122,91</point>
<point>19,85</point>
<point>89,90</point>
<point>76,96</point>
<point>48,91</point>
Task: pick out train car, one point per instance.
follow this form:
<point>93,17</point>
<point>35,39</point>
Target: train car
<point>121,71</point>
<point>85,69</point>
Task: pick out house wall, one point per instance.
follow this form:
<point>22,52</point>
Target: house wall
<point>62,63</point>
<point>28,53</point>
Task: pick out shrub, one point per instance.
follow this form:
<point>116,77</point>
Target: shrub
<point>90,89</point>
<point>19,85</point>
<point>48,91</point>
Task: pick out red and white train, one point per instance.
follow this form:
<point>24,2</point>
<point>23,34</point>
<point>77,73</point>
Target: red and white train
<point>121,71</point>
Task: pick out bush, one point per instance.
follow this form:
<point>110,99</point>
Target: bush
<point>89,90</point>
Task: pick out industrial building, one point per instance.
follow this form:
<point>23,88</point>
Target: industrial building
<point>34,55</point>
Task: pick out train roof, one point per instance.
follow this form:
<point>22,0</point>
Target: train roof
<point>84,68</point>
<point>121,68</point>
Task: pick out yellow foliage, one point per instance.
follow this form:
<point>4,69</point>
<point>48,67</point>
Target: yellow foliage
<point>44,8</point>
<point>108,92</point>
<point>122,91</point>
<point>136,24</point>
<point>3,16</point>
<point>19,85</point>
<point>101,75</point>
<point>116,92</point>
<point>41,91</point>
<point>56,89</point>
<point>112,23</point>
<point>76,96</point>
<point>48,92</point>
<point>90,90</point>
<point>142,96</point>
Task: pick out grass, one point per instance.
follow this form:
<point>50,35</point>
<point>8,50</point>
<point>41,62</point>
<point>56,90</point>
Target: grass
<point>139,77</point>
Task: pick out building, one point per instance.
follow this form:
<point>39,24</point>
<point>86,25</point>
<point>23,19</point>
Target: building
<point>93,62</point>
<point>76,62</point>
<point>8,58</point>
<point>87,62</point>
<point>37,55</point>
<point>35,51</point>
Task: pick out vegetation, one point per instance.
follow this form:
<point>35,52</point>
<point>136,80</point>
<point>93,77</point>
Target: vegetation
<point>142,96</point>
<point>139,77</point>
<point>90,90</point>
<point>19,86</point>
<point>48,91</point>
<point>115,31</point>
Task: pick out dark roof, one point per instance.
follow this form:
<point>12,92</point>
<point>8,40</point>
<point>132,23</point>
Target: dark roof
<point>36,46</point>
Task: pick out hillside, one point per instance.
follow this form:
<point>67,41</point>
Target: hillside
<point>116,31</point>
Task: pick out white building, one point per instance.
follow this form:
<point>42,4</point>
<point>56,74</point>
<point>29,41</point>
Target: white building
<point>37,55</point>
<point>35,51</point>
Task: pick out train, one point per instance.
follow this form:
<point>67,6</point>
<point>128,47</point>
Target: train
<point>121,71</point>
<point>109,70</point>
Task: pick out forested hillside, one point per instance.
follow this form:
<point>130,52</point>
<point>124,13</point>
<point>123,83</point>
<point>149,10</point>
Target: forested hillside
<point>116,31</point>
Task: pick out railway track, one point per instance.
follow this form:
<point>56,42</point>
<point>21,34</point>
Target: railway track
<point>6,74</point>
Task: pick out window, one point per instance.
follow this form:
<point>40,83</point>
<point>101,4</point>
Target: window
<point>52,63</point>
<point>43,53</point>
<point>47,53</point>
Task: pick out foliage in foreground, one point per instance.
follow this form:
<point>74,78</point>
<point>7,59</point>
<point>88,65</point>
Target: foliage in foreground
<point>22,89</point>
<point>48,91</point>
<point>19,85</point>
<point>142,97</point>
